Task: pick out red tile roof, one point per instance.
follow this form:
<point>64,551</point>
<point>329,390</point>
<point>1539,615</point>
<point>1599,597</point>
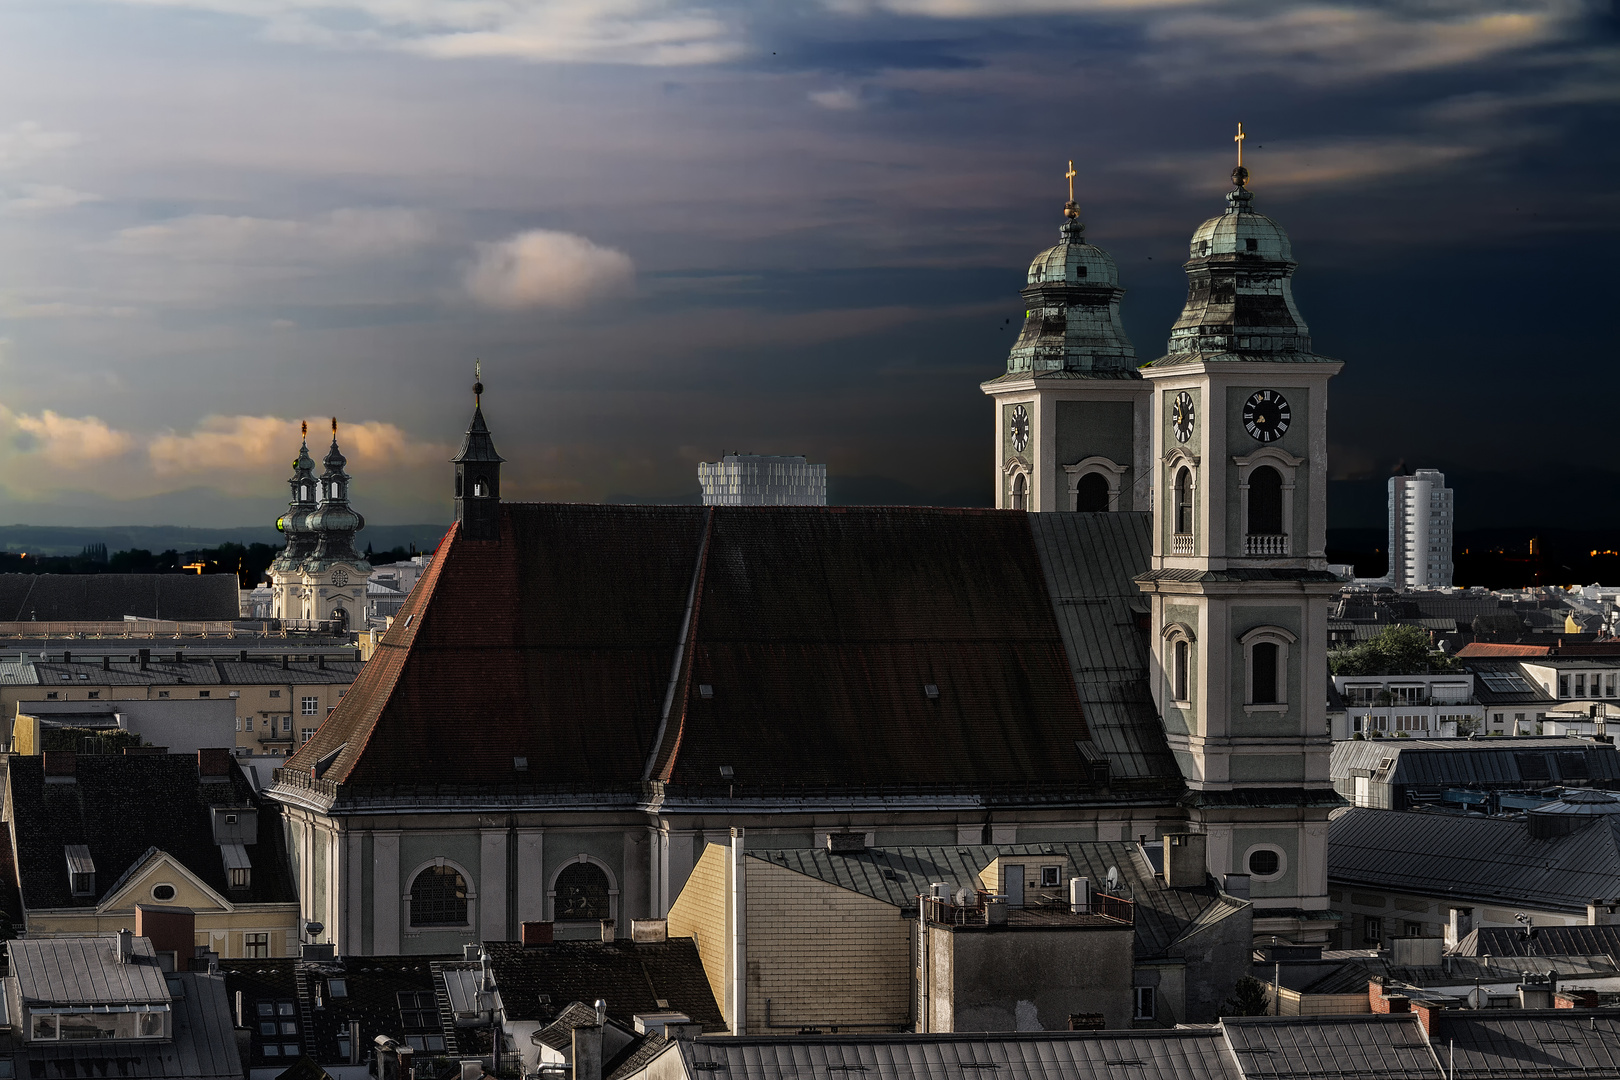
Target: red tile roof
<point>816,630</point>
<point>1484,649</point>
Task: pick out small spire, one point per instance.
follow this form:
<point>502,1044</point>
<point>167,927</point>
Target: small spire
<point>478,382</point>
<point>334,429</point>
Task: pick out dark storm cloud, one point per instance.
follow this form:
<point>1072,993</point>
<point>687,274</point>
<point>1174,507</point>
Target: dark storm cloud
<point>675,229</point>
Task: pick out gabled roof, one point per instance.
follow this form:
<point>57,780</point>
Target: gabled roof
<point>109,597</point>
<point>1486,859</point>
<point>1542,941</point>
<point>121,808</point>
<point>802,667</point>
<point>537,982</point>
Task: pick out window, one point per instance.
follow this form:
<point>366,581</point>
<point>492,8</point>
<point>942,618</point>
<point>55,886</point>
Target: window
<point>1180,664</point>
<point>286,723</point>
<point>418,1011</point>
<point>205,693</point>
<point>240,877</point>
<point>306,734</point>
<point>1146,1002</point>
<point>44,1027</point>
<point>1051,877</point>
<point>1020,499</point>
<point>1091,494</point>
<point>256,946</point>
<point>1265,863</point>
<point>275,693</point>
<point>1580,686</point>
<point>1265,502</point>
<point>163,892</point>
<point>582,892</point>
<point>1412,929</point>
<point>1184,501</point>
<point>1563,686</point>
<point>308,706</point>
<point>439,898</point>
<point>1263,667</point>
<point>1608,685</point>
<point>249,723</point>
<point>95,693</point>
<point>238,723</point>
<point>1372,930</point>
<point>1251,244</point>
<point>51,696</point>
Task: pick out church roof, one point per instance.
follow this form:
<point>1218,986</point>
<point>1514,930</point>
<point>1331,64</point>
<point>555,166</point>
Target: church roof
<point>110,597</point>
<point>1071,322</point>
<point>827,649</point>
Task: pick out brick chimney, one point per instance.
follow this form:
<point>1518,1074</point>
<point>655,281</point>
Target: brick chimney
<point>214,763</point>
<point>1426,1011</point>
<point>60,763</point>
<point>1381,1002</point>
<point>172,930</point>
<point>535,933</point>
<point>1575,999</point>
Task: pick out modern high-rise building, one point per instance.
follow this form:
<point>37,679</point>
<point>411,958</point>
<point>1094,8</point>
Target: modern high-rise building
<point>762,480</point>
<point>1420,530</point>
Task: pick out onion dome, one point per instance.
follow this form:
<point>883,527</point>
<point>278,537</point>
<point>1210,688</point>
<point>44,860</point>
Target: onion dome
<point>1071,319</point>
<point>294,524</point>
<point>334,521</point>
<point>1240,297</point>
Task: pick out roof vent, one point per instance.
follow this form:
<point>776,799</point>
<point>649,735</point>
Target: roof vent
<point>520,764</point>
<point>727,772</point>
<point>931,690</point>
<point>705,690</point>
<point>59,765</point>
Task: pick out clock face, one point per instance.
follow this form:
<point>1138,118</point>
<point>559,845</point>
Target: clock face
<point>1181,416</point>
<point>1020,428</point>
<point>340,576</point>
<point>1266,415</point>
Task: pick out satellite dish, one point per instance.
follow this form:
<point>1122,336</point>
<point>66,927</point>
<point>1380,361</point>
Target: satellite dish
<point>962,897</point>
<point>1112,881</point>
<point>1478,998</point>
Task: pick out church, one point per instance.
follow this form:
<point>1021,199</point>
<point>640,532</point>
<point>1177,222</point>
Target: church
<point>319,577</point>
<point>577,699</point>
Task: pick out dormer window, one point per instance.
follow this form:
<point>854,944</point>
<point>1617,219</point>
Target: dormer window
<point>81,870</point>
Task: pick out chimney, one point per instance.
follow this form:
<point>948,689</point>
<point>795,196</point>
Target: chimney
<point>179,656</point>
<point>1601,912</point>
<point>214,763</point>
<point>242,656</point>
<point>535,933</point>
<point>241,1011</point>
<point>1184,860</point>
<point>171,930</point>
<point>1425,1011</point>
<point>1415,951</point>
<point>1575,999</point>
<point>601,1012</point>
<point>125,947</point>
<point>106,663</point>
<point>64,763</point>
<point>286,661</point>
<point>145,657</point>
<point>649,930</point>
<point>67,657</point>
<point>471,952</point>
<point>354,1042</point>
<point>995,913</point>
<point>587,1055</point>
<point>1535,996</point>
<point>323,662</point>
<point>1080,895</point>
<point>1380,1002</point>
<point>607,930</point>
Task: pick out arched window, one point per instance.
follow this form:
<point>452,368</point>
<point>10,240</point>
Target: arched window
<point>582,892</point>
<point>439,898</point>
<point>1091,494</point>
<point>1263,673</point>
<point>1180,673</point>
<point>1265,502</point>
<point>1020,493</point>
<point>1184,501</point>
<point>303,493</point>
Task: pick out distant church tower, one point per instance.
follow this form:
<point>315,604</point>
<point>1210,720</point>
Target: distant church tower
<point>1072,410</point>
<point>478,475</point>
<point>1239,585</point>
<point>319,576</point>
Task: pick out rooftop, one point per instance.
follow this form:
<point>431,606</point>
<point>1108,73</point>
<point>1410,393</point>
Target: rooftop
<point>536,982</point>
<point>86,971</point>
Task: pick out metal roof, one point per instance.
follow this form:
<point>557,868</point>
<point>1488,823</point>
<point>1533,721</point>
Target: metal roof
<point>1493,1044</point>
<point>85,971</point>
<point>110,597</point>
<point>1343,1047</point>
<point>1490,860</point>
<point>1541,941</point>
<point>1496,761</point>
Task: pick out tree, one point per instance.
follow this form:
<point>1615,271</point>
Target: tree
<point>1249,998</point>
<point>1397,650</point>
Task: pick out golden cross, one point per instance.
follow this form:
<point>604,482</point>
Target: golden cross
<point>334,428</point>
<point>1070,175</point>
<point>1238,138</point>
<point>306,430</point>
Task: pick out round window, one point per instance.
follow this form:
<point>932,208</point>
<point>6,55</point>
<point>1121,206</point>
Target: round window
<point>163,893</point>
<point>1264,863</point>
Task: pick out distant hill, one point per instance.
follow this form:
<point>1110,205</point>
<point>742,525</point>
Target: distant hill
<point>71,539</point>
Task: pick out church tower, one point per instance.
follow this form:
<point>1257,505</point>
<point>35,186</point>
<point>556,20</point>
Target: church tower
<point>287,569</point>
<point>1072,411</point>
<point>1239,585</point>
<point>478,475</point>
<point>335,574</point>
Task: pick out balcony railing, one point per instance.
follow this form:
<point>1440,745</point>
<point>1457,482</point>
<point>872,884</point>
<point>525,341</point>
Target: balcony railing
<point>1266,544</point>
<point>976,912</point>
<point>1181,544</point>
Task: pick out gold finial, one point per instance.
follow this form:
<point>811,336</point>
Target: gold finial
<point>1071,209</point>
<point>304,428</point>
<point>334,429</point>
<point>1238,138</point>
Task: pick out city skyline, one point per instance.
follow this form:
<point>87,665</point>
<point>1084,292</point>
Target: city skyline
<point>674,230</point>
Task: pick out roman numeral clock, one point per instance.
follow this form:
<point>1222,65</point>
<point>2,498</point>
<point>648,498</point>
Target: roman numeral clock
<point>1266,415</point>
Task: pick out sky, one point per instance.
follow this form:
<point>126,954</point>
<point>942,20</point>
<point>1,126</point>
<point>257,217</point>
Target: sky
<point>671,230</point>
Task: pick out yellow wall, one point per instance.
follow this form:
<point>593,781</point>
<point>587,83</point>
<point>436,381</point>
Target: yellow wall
<point>699,912</point>
<point>824,954</point>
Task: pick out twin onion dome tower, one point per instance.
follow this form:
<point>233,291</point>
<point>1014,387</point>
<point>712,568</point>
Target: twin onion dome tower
<point>319,576</point>
<point>1218,449</point>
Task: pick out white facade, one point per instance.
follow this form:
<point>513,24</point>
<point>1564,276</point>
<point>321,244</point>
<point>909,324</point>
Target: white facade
<point>762,480</point>
<point>1420,706</point>
<point>1420,531</point>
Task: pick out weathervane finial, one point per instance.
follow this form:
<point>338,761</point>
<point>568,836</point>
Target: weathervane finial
<point>1240,175</point>
<point>478,382</point>
<point>304,430</point>
<point>334,429</point>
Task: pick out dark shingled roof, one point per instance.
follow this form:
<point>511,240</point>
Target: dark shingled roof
<point>540,981</point>
<point>815,629</point>
<point>122,808</point>
<point>109,597</point>
<point>1490,860</point>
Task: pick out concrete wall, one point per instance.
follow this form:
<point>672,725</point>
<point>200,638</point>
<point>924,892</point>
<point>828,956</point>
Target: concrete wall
<point>1028,979</point>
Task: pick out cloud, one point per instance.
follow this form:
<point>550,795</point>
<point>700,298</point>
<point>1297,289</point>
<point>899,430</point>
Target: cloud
<point>67,442</point>
<point>1321,165</point>
<point>42,198</point>
<point>1327,43</point>
<point>340,236</point>
<point>839,100</point>
<point>61,309</point>
<point>261,444</point>
<point>26,142</point>
<point>641,32</point>
<point>545,269</point>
